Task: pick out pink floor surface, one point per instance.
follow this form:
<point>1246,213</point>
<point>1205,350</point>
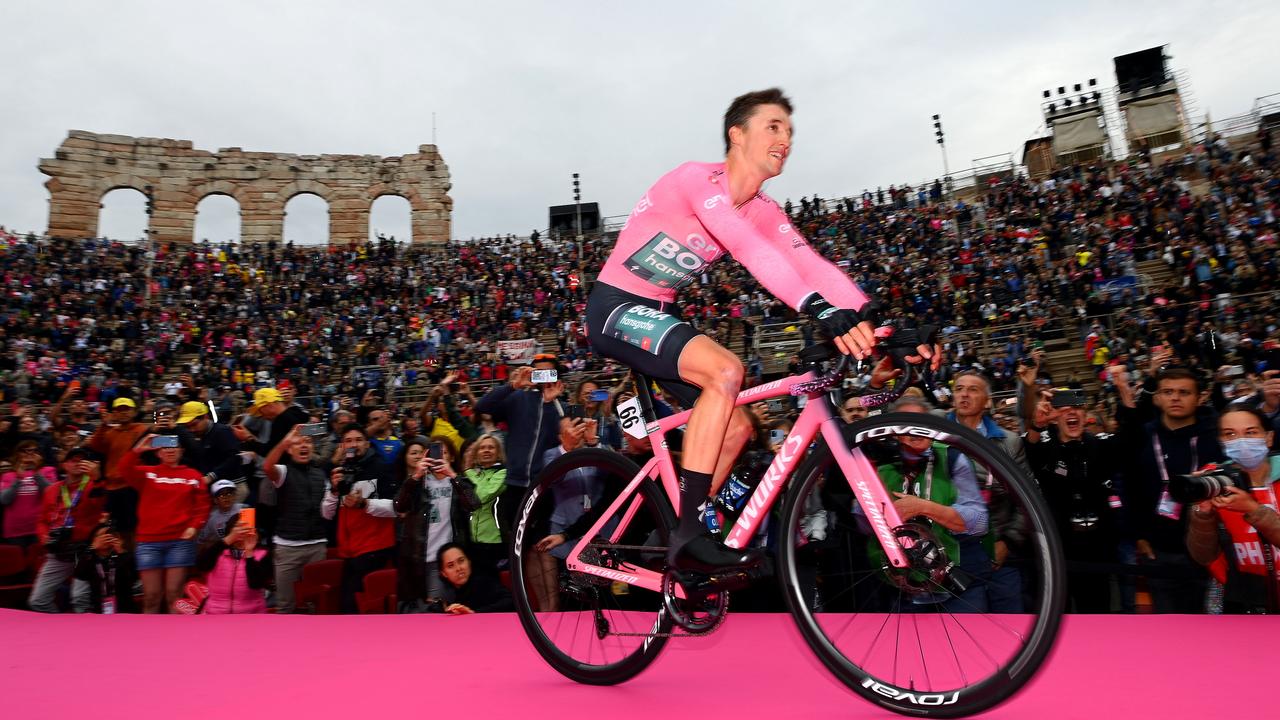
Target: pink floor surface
<point>481,666</point>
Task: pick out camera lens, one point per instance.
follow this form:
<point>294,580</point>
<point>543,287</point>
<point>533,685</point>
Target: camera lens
<point>1197,488</point>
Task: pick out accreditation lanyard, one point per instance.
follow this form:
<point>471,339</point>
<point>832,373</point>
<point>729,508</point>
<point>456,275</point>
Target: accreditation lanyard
<point>909,482</point>
<point>1160,461</point>
<point>69,501</point>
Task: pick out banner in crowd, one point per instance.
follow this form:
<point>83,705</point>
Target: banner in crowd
<point>1117,286</point>
<point>517,352</point>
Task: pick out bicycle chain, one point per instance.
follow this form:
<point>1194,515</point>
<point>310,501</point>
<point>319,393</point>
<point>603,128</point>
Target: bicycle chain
<point>708,633</point>
<point>663,549</point>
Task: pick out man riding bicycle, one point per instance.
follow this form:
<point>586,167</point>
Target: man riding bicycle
<point>691,217</point>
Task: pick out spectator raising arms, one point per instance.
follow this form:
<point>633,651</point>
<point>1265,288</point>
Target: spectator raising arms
<point>299,478</point>
<point>173,504</point>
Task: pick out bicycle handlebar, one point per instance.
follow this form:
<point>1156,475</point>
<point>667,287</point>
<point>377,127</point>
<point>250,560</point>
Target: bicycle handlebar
<point>900,344</point>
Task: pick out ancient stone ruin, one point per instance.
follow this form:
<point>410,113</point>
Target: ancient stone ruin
<point>176,177</point>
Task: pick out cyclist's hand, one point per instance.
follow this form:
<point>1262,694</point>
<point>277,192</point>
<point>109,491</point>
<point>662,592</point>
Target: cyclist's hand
<point>851,334</point>
<point>924,351</point>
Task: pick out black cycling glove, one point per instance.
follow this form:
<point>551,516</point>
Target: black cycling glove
<point>833,320</point>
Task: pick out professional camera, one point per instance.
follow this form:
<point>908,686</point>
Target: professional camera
<point>349,465</point>
<point>59,544</point>
<point>1212,481</point>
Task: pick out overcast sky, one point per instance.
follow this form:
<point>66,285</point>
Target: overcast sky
<point>527,93</point>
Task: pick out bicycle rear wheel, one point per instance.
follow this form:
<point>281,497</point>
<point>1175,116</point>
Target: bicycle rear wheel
<point>904,641</point>
<point>588,628</point>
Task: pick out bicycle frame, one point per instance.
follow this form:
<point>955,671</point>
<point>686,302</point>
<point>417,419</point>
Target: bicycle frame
<point>816,417</point>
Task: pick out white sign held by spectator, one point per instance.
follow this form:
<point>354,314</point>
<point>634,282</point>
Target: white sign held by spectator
<point>517,352</point>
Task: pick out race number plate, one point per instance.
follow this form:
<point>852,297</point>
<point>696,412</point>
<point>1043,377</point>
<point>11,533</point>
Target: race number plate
<point>632,419</point>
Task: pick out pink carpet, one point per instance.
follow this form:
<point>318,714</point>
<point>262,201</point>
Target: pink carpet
<point>481,667</point>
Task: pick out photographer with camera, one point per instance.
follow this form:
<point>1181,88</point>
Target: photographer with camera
<point>529,403</point>
<point>173,504</point>
<point>69,511</point>
<point>301,530</point>
<point>1234,529</point>
<point>1177,442</point>
<point>1074,469</point>
<point>362,495</point>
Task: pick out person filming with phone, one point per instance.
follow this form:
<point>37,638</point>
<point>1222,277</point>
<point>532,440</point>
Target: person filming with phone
<point>1075,469</point>
<point>529,403</point>
<point>435,503</point>
<point>173,504</point>
<point>361,494</point>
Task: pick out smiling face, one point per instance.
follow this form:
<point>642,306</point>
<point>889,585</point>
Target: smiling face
<point>764,141</point>
<point>1071,423</point>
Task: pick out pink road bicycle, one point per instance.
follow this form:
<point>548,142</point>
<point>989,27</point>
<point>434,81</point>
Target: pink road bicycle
<point>911,616</point>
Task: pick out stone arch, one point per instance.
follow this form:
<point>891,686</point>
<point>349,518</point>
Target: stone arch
<point>119,181</point>
<point>301,213</point>
<point>122,213</point>
<point>236,191</point>
<point>302,187</point>
<point>88,165</point>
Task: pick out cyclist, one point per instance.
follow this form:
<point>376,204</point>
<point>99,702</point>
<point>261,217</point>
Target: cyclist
<point>691,217</point>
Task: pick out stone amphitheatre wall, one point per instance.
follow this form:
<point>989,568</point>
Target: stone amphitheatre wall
<point>176,177</point>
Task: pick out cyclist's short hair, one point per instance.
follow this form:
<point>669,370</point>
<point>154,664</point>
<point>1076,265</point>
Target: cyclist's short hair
<point>744,106</point>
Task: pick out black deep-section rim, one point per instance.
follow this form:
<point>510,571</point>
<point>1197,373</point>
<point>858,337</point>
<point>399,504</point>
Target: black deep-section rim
<point>1015,673</point>
<point>621,470</point>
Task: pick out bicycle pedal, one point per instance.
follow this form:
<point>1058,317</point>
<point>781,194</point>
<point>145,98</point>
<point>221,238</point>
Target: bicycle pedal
<point>697,586</point>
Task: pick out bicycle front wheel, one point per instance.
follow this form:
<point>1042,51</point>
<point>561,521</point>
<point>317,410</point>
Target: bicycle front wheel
<point>591,629</point>
<point>905,641</point>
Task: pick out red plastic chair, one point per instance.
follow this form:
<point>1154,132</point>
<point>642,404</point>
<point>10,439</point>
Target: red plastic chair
<point>379,588</point>
<point>320,586</point>
<point>14,587</point>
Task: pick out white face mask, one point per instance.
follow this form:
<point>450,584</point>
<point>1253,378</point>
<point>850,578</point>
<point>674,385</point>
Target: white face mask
<point>1248,453</point>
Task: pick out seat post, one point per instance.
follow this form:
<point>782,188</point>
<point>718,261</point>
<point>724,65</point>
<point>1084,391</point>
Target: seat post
<point>644,391</point>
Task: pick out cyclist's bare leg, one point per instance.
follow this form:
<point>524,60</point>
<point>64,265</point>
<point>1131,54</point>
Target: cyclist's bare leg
<point>718,373</point>
<point>735,438</point>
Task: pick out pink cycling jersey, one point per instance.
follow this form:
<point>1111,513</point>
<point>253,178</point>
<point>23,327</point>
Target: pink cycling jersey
<point>686,221</point>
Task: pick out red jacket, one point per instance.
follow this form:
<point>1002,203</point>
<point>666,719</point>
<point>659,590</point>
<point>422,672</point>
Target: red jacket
<point>53,512</point>
<point>170,499</point>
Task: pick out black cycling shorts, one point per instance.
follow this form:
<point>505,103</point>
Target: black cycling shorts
<point>643,334</point>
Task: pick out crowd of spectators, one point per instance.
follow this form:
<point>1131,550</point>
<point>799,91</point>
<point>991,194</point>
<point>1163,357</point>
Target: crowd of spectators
<point>321,464</point>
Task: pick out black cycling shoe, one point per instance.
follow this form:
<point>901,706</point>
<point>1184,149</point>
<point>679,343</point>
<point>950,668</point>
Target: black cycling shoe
<point>706,555</point>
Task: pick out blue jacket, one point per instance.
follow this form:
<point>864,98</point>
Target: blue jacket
<point>533,427</point>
